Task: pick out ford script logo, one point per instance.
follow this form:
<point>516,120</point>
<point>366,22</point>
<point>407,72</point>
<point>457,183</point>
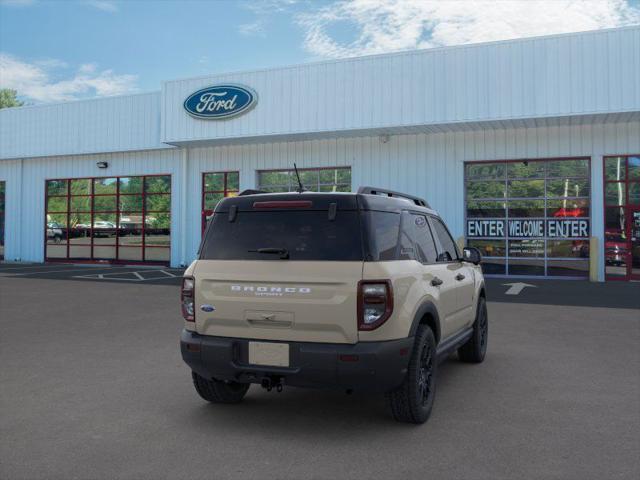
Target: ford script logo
<point>220,101</point>
<point>207,308</point>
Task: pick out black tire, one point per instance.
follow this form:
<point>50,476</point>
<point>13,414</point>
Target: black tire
<point>475,349</point>
<point>412,401</point>
<point>216,391</point>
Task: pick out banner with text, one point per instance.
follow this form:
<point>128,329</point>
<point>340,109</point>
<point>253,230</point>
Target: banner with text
<point>528,228</point>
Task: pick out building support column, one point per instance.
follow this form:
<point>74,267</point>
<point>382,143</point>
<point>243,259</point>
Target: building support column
<point>597,218</point>
<point>184,199</point>
<point>247,179</point>
<point>19,254</point>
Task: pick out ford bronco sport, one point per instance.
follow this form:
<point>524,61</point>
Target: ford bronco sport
<point>358,291</point>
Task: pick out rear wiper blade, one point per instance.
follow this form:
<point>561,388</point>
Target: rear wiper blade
<point>283,252</point>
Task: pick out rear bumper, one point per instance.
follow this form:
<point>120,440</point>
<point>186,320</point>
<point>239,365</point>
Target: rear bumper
<point>365,366</point>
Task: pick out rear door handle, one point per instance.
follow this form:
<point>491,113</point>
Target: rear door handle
<point>436,281</point>
<point>460,277</point>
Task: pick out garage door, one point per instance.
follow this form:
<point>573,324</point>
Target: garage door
<point>114,219</point>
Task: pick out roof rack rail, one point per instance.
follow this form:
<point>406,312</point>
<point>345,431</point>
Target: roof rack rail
<point>421,202</point>
<point>250,191</point>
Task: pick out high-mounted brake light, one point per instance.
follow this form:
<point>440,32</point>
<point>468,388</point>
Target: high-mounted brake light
<point>375,303</point>
<point>187,298</point>
<point>284,204</point>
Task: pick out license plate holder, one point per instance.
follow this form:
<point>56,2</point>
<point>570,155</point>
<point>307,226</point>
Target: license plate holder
<point>269,354</point>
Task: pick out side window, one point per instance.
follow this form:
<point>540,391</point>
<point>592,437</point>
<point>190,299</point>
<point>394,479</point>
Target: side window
<point>424,240</point>
<point>449,251</point>
<point>416,242</point>
<point>383,230</point>
<point>407,239</point>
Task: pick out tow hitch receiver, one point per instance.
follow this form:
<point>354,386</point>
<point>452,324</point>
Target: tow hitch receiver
<point>269,383</point>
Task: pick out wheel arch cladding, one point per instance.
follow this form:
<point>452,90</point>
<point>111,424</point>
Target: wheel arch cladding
<point>427,314</point>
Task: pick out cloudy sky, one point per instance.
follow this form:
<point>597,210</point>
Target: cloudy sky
<point>53,51</point>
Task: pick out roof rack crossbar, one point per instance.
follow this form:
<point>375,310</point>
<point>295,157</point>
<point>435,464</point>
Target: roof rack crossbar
<point>390,193</point>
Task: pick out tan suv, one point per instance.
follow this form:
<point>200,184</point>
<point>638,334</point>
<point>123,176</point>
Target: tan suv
<point>357,291</point>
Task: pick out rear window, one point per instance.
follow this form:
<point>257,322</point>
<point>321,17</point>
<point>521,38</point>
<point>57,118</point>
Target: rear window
<point>305,235</point>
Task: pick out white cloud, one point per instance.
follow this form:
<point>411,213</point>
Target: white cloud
<point>87,68</point>
<point>51,63</point>
<point>36,81</point>
<point>104,5</point>
<point>389,25</point>
<point>269,6</point>
<point>252,29</point>
<point>264,11</point>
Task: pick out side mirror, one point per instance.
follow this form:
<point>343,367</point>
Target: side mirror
<point>471,255</point>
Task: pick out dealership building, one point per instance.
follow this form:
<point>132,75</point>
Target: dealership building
<point>529,149</point>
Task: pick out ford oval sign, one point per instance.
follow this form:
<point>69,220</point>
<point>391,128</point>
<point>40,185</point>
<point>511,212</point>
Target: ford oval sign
<point>220,101</point>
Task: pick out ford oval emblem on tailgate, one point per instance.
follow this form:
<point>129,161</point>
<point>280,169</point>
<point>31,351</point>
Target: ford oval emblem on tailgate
<point>207,308</point>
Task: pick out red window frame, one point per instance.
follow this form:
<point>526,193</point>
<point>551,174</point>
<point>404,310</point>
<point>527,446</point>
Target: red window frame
<point>628,209</point>
<point>117,212</point>
<point>226,192</point>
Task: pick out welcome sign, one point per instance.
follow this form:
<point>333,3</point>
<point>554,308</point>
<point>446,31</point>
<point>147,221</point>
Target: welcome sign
<point>219,102</point>
<point>528,228</point>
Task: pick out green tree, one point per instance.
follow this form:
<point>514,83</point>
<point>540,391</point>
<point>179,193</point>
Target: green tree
<point>8,98</point>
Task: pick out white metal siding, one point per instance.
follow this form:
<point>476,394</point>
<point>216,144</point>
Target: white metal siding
<point>11,174</point>
<point>90,126</point>
<point>547,77</point>
<point>25,202</point>
<point>428,165</point>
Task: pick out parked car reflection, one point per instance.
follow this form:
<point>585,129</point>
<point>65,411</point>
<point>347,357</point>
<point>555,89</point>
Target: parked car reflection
<point>615,248</point>
<point>54,232</point>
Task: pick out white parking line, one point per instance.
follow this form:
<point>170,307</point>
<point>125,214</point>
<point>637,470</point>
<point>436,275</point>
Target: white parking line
<point>119,276</point>
<point>169,274</point>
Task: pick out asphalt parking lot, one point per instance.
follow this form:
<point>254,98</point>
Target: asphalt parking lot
<point>93,273</point>
<point>93,386</point>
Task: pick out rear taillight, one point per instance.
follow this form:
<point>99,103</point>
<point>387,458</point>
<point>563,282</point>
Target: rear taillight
<point>375,303</point>
<point>187,296</point>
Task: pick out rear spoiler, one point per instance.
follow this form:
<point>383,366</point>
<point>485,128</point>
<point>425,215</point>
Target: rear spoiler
<point>250,191</point>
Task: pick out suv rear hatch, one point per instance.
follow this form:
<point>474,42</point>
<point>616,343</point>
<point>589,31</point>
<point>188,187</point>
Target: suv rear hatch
<point>281,267</point>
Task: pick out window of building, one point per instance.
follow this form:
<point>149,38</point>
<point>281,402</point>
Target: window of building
<point>215,187</point>
<point>622,217</point>
<point>2,210</point>
<point>116,219</point>
<point>314,180</point>
<point>530,217</point>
